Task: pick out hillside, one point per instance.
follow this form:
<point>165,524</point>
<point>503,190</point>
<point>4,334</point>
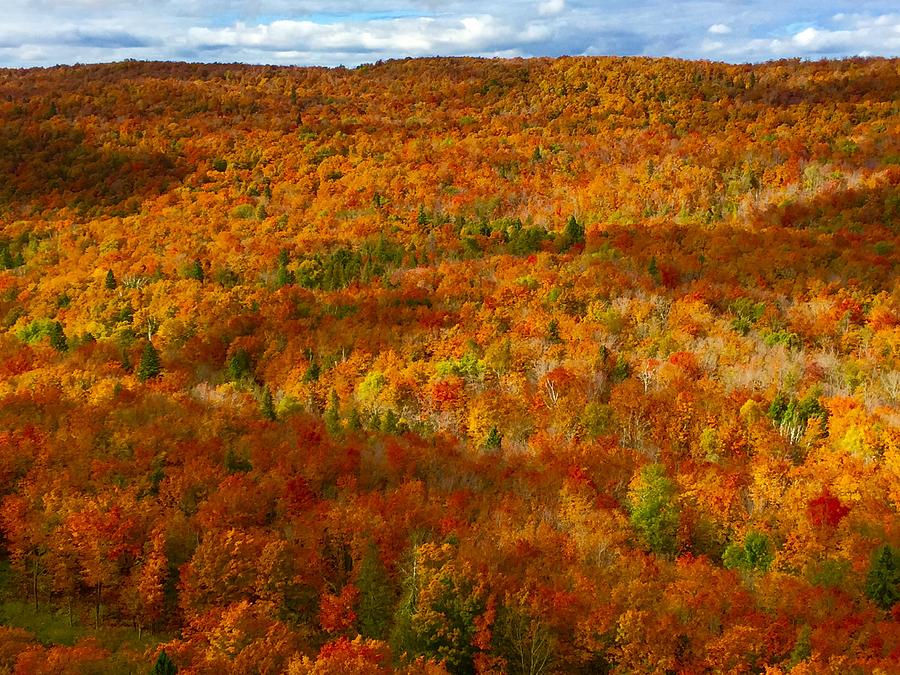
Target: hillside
<point>537,366</point>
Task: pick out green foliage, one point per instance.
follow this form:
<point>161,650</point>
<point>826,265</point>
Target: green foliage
<point>828,573</point>
<point>494,439</point>
<point>195,271</point>
<point>219,164</point>
<point>149,366</point>
<point>754,555</point>
<point>525,240</point>
<point>376,596</point>
<point>653,271</point>
<point>791,416</point>
<point>239,366</point>
<point>553,336</point>
<point>267,405</point>
<point>35,331</point>
<point>782,337</point>
<point>802,648</point>
<point>313,370</point>
<point>620,370</point>
<point>164,665</point>
<point>468,366</point>
<point>332,415</point>
<point>573,235</point>
<point>243,211</point>
<point>654,510</point>
<point>344,266</point>
<point>236,462</point>
<point>883,579</point>
<point>437,616</point>
<point>597,418</point>
<point>110,282</point>
<point>746,314</point>
<point>10,258</point>
<point>58,337</point>
<point>283,276</point>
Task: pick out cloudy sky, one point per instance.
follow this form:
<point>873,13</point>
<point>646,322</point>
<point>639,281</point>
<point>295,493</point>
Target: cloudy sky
<point>48,32</point>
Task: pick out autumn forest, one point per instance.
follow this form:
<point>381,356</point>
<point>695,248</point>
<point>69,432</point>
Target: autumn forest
<point>577,365</point>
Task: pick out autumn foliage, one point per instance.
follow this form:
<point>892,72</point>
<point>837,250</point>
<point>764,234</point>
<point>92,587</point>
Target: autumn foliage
<point>452,365</point>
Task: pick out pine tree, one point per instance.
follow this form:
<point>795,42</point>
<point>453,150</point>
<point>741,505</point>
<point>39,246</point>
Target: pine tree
<point>376,597</point>
<point>195,271</point>
<point>267,405</point>
<point>333,415</point>
<point>653,270</point>
<point>58,337</point>
<point>883,580</point>
<point>164,665</point>
<point>494,439</point>
<point>110,282</point>
<point>149,366</point>
<point>573,235</point>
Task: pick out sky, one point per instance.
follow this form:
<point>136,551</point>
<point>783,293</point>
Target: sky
<point>341,32</point>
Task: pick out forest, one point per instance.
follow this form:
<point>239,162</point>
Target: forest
<point>575,365</point>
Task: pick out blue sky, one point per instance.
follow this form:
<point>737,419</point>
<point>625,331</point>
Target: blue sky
<point>305,32</point>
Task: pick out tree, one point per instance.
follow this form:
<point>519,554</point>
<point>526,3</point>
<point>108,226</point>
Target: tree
<point>110,282</point>
<point>654,509</point>
<point>195,271</point>
<point>883,579</point>
<point>149,366</point>
<point>267,405</point>
<point>438,616</point>
<point>58,337</point>
<point>164,665</point>
<point>376,597</point>
<point>333,414</point>
<point>754,555</point>
<point>573,234</point>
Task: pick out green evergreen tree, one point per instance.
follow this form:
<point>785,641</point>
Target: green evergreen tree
<point>239,365</point>
<point>553,332</point>
<point>422,219</point>
<point>149,366</point>
<point>58,337</point>
<point>267,405</point>
<point>110,282</point>
<point>883,579</point>
<point>653,270</point>
<point>390,423</point>
<point>333,415</point>
<point>195,271</point>
<point>283,277</point>
<point>573,234</point>
<point>354,423</point>
<point>494,439</point>
<point>164,665</point>
<point>125,361</point>
<point>376,596</point>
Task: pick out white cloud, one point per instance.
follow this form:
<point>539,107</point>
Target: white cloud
<point>551,7</point>
<point>349,32</point>
<point>412,36</point>
<point>849,35</point>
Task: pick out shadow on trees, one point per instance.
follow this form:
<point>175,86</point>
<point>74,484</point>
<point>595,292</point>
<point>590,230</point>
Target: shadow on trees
<point>50,164</point>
